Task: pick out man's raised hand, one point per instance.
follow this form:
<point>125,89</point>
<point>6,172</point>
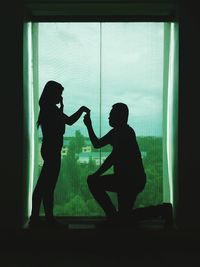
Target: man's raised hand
<point>87,119</point>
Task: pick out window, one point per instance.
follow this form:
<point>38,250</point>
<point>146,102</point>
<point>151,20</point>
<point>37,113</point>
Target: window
<point>100,64</point>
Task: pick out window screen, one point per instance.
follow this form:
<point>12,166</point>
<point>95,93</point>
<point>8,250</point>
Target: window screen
<point>100,64</point>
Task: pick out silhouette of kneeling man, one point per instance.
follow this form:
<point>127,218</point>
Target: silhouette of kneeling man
<point>129,177</point>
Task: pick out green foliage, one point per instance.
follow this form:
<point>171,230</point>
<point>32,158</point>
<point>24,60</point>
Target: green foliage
<point>79,141</point>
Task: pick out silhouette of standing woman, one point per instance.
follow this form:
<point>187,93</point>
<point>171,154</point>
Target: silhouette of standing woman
<point>52,121</point>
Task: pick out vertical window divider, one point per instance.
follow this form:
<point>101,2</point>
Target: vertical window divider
<point>27,148</point>
<point>166,48</point>
<point>170,111</point>
<point>35,88</point>
<point>30,81</point>
<point>100,91</point>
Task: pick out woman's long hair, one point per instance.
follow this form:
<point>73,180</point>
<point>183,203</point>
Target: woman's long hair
<point>47,97</point>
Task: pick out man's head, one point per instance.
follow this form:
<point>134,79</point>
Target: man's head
<point>118,115</point>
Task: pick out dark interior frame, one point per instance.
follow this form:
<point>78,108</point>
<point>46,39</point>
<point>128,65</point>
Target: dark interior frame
<point>13,16</point>
<point>101,11</point>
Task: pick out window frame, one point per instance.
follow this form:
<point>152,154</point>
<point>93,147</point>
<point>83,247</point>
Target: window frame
<point>113,11</point>
<point>101,11</point>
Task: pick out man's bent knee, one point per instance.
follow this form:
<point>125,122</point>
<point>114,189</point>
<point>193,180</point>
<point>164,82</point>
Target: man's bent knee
<point>91,180</point>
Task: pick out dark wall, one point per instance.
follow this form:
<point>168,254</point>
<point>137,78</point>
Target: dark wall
<point>189,116</point>
<point>11,186</point>
<point>12,178</point>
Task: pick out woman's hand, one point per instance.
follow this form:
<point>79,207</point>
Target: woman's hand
<point>85,109</point>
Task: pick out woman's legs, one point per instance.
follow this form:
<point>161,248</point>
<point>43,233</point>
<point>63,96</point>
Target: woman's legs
<point>44,188</point>
<point>38,194</point>
<point>52,177</point>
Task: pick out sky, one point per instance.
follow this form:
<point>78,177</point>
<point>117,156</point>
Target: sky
<point>100,64</point>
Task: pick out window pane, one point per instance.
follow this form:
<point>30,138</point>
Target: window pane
<point>99,65</point>
<point>69,54</point>
<point>132,73</point>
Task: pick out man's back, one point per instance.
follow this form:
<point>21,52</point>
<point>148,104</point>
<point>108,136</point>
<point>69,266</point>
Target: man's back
<point>126,152</point>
